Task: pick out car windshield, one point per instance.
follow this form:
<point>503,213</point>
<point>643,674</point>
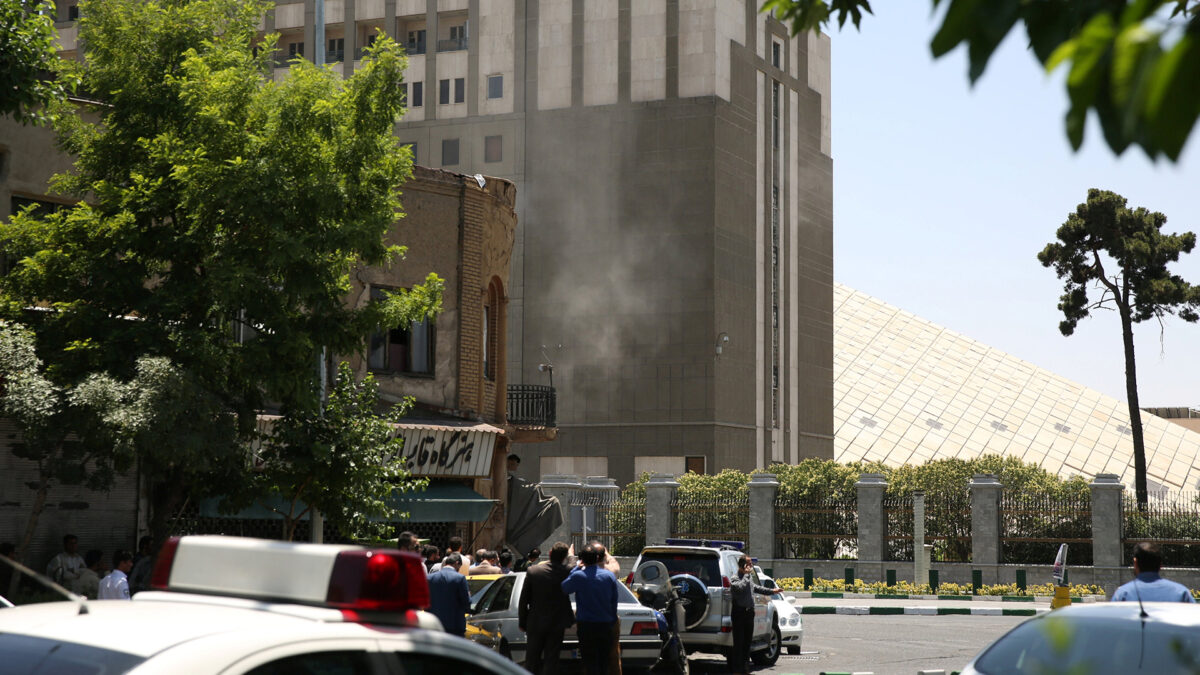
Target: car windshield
<point>705,567</point>
<point>1094,645</point>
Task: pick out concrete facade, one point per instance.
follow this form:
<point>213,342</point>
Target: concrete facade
<point>673,263</point>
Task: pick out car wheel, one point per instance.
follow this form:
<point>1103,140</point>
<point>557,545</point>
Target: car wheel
<point>768,656</point>
<point>505,650</point>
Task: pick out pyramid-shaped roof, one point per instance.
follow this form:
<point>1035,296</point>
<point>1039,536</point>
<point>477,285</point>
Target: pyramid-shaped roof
<point>908,391</point>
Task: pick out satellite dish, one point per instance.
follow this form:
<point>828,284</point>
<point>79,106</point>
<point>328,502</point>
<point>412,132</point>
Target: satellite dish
<point>481,180</point>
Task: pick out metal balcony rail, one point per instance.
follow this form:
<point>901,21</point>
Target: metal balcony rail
<point>417,47</point>
<point>531,404</point>
<point>335,56</point>
<point>452,45</point>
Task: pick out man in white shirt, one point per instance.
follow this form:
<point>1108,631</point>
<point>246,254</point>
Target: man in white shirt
<point>88,584</point>
<point>115,586</point>
<point>65,568</point>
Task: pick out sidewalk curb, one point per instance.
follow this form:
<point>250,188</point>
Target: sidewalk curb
<point>808,595</point>
<point>863,610</point>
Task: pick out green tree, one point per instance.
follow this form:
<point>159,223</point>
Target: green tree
<point>1122,253</point>
<point>27,43</point>
<point>345,461</point>
<point>59,426</point>
<point>221,215</point>
<point>1135,63</point>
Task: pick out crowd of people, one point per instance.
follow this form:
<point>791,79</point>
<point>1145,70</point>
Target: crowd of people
<point>91,574</point>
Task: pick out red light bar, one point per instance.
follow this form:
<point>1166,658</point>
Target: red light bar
<point>379,580</point>
<point>161,577</point>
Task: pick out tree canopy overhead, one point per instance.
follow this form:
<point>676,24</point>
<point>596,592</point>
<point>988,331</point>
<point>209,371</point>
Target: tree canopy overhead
<point>1134,63</point>
<point>27,45</point>
<point>220,216</point>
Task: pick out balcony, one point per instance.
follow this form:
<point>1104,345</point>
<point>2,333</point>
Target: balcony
<point>417,47</point>
<point>531,405</point>
<point>452,45</point>
<point>335,56</point>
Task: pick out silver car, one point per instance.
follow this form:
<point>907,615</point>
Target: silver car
<point>493,623</point>
<point>701,572</point>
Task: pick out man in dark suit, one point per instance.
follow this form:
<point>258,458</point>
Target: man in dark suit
<point>449,598</point>
<point>544,612</point>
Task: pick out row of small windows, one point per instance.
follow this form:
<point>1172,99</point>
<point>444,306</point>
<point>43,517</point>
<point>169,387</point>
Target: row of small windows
<point>493,150</point>
<point>414,92</point>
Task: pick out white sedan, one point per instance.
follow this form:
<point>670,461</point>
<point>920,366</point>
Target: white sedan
<point>250,607</point>
<point>791,627</point>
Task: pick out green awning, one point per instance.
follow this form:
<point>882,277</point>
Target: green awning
<point>440,502</point>
<point>452,502</point>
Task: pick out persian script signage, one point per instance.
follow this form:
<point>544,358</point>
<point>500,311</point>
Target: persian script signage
<point>447,451</point>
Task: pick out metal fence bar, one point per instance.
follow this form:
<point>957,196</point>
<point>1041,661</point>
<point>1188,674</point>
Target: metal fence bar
<point>618,522</point>
<point>1033,527</point>
<point>820,528</point>
<point>1171,520</point>
<point>710,519</point>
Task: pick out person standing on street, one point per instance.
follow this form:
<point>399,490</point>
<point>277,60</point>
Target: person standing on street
<point>544,612</point>
<point>614,653</point>
<point>115,586</point>
<point>139,578</point>
<point>742,590</point>
<point>595,590</point>
<point>1147,585</point>
<point>449,596</point>
<point>489,563</point>
<point>66,567</point>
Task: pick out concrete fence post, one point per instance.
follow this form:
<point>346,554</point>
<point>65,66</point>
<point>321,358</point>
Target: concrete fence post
<point>763,488</point>
<point>872,525</point>
<point>985,519</point>
<point>1106,520</point>
<point>563,487</point>
<point>660,490</point>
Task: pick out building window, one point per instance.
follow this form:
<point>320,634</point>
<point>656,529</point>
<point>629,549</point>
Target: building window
<point>776,54</point>
<point>493,148</point>
<point>450,152</point>
<point>73,13</point>
<point>336,51</point>
<point>418,95</point>
<point>416,42</point>
<point>444,92</point>
<point>457,41</point>
<point>495,86</point>
<point>694,465</point>
<point>491,330</point>
<point>295,49</point>
<point>412,148</point>
<point>402,350</point>
<point>460,90</point>
<point>775,96</point>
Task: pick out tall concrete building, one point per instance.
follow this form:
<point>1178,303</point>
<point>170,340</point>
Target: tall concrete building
<point>673,268</point>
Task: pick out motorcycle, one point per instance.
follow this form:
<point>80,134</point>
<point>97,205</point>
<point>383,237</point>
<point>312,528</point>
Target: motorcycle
<point>653,588</point>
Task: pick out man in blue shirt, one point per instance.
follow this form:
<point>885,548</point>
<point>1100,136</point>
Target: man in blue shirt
<point>1148,586</point>
<point>595,590</point>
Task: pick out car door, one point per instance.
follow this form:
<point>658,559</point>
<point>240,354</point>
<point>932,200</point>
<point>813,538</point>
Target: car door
<point>762,611</point>
<point>491,609</point>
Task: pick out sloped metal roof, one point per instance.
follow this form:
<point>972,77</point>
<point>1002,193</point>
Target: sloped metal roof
<point>908,391</point>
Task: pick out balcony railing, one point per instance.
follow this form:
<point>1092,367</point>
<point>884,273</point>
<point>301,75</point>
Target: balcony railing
<point>417,47</point>
<point>452,45</point>
<point>531,404</point>
<point>335,56</point>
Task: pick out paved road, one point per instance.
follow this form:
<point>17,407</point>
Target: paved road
<point>884,645</point>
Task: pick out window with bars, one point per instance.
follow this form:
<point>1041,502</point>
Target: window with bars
<point>408,349</point>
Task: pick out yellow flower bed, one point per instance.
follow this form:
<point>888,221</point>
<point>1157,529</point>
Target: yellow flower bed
<point>909,588</point>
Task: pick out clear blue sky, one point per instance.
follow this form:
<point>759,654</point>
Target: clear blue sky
<point>944,194</point>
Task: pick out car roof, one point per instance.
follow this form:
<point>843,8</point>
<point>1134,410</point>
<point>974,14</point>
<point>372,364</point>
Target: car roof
<point>1177,613</point>
<point>707,550</point>
<point>147,627</point>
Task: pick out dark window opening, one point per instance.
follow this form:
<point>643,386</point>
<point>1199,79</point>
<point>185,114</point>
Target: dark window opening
<point>402,350</point>
<point>450,152</point>
<point>694,465</point>
<point>443,92</point>
<point>493,148</point>
<point>460,90</point>
<point>418,94</point>
<point>495,84</point>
